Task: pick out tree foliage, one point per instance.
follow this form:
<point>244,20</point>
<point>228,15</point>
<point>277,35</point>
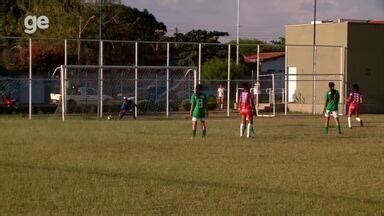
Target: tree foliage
<point>188,54</point>
<point>217,69</point>
<point>119,22</point>
<point>250,45</point>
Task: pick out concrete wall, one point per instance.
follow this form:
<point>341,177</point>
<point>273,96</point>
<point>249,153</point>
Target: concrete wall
<point>366,63</point>
<point>329,60</point>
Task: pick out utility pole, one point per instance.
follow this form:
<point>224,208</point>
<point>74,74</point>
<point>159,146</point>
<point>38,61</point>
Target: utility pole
<point>101,20</point>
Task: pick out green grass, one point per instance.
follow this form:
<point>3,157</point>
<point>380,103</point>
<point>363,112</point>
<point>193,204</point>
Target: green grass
<point>152,167</point>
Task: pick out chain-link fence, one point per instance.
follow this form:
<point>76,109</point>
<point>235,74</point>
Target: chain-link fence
<point>29,75</point>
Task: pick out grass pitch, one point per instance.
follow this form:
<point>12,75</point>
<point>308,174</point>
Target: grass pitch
<point>152,167</point>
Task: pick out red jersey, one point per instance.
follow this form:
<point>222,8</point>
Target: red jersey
<point>355,97</point>
<point>354,101</point>
<point>7,101</point>
<point>245,102</point>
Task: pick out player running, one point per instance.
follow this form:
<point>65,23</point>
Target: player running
<point>199,110</point>
<point>332,98</point>
<point>127,105</point>
<point>220,96</point>
<point>247,110</point>
<point>354,100</point>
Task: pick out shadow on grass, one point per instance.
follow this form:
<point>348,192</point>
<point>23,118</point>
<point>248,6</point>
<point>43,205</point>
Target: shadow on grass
<point>173,181</point>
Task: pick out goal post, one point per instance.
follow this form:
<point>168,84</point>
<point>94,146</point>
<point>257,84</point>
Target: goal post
<point>154,89</point>
<point>264,91</point>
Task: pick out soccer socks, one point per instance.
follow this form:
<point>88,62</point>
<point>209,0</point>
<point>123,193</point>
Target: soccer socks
<point>338,127</point>
<point>252,129</point>
<point>204,133</point>
<point>357,119</point>
<point>249,130</point>
<point>193,133</point>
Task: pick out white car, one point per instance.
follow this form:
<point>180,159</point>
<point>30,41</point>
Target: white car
<point>83,96</point>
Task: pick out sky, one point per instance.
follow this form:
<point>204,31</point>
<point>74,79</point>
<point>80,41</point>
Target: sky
<point>262,19</point>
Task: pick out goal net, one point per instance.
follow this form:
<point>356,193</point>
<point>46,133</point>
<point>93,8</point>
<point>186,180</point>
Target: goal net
<point>98,91</point>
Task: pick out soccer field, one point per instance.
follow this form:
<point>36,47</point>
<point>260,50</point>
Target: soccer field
<point>152,167</point>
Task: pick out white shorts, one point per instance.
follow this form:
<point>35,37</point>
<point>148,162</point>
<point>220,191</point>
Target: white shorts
<point>194,119</point>
<point>329,113</point>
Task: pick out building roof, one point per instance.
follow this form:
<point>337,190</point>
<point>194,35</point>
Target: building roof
<point>252,58</point>
<point>377,22</point>
<point>338,21</point>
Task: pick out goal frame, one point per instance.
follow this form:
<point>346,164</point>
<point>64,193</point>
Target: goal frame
<point>101,68</point>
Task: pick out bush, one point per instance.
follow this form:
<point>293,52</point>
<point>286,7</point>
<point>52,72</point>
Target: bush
<point>174,106</point>
<point>186,104</point>
<point>143,105</point>
<point>160,106</point>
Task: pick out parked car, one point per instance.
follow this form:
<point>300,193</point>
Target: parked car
<point>82,96</point>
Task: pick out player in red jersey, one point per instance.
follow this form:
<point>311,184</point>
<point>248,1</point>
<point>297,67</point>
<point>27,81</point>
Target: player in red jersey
<point>354,100</point>
<point>247,109</point>
<point>9,104</point>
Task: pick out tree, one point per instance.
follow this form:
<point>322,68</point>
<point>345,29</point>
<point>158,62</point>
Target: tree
<point>187,54</point>
<point>250,45</point>
<point>119,22</point>
<point>217,69</point>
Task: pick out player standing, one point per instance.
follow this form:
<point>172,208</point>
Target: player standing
<point>247,109</point>
<point>199,110</point>
<point>331,105</point>
<point>354,100</point>
<point>220,96</point>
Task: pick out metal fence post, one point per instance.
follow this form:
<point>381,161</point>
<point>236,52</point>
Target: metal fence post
<point>229,80</point>
<point>167,99</point>
<point>286,77</point>
<point>65,73</point>
<point>314,103</point>
<point>63,101</point>
<point>342,76</point>
<point>258,64</point>
<point>30,80</point>
<point>136,73</point>
<point>200,56</point>
<point>101,79</point>
<point>273,95</point>
<point>257,79</point>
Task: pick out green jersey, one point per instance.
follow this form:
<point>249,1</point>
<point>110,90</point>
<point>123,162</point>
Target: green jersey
<point>333,104</point>
<point>199,103</point>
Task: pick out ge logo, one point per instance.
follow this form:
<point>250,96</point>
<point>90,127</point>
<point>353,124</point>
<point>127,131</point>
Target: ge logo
<point>31,23</point>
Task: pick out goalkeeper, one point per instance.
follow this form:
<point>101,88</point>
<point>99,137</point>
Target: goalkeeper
<point>127,105</point>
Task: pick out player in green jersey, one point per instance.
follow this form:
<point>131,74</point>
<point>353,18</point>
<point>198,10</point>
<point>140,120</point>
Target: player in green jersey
<point>331,107</point>
<point>199,110</point>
